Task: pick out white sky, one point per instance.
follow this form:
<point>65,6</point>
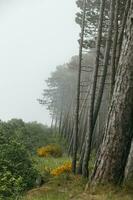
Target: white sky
<point>35,37</point>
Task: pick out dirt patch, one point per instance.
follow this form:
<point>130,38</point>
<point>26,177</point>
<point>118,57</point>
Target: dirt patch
<point>38,191</point>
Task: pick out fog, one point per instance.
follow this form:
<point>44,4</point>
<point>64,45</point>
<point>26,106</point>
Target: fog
<point>35,37</point>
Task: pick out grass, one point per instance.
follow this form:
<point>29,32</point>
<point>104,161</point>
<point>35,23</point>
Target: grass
<point>74,189</point>
<point>49,162</point>
<point>58,188</point>
<point>52,197</point>
<point>110,192</point>
<point>70,187</point>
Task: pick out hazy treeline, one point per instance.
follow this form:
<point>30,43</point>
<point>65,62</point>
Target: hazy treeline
<point>105,99</point>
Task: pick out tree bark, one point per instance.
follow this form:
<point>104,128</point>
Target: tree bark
<point>106,61</point>
<point>129,166</point>
<point>114,47</point>
<point>75,140</point>
<point>121,33</point>
<point>115,148</point>
<point>93,118</point>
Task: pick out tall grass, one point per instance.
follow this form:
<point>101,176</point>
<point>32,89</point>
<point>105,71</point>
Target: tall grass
<point>49,162</point>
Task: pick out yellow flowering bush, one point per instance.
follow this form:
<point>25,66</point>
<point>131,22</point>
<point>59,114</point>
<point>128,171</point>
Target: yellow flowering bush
<point>50,150</point>
<point>65,168</point>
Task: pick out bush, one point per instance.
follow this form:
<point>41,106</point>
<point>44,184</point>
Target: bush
<point>65,168</point>
<point>16,170</point>
<point>10,185</point>
<point>33,134</point>
<point>50,150</point>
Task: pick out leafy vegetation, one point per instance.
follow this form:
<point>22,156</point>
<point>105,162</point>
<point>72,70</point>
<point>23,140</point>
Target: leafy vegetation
<point>18,142</point>
<point>32,134</point>
<point>17,173</point>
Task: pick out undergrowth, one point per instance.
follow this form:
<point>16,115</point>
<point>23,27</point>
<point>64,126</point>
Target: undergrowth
<point>69,187</point>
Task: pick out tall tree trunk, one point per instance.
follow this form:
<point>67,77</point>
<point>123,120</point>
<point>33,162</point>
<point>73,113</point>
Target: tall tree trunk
<point>52,122</point>
<point>114,47</point>
<point>116,144</point>
<point>84,130</point>
<point>85,156</point>
<point>106,61</point>
<point>60,121</point>
<point>79,169</point>
<point>75,141</point>
<point>92,119</point>
<point>56,125</point>
<point>121,33</point>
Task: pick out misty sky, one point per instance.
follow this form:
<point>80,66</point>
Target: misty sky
<point>35,37</point>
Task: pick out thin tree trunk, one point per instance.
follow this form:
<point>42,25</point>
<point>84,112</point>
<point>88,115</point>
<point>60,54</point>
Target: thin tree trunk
<point>60,122</point>
<point>106,61</point>
<point>70,149</point>
<point>79,169</point>
<point>92,100</point>
<point>52,122</point>
<point>75,143</point>
<point>113,58</point>
<point>55,125</point>
<point>85,100</point>
<point>82,137</point>
<point>70,129</point>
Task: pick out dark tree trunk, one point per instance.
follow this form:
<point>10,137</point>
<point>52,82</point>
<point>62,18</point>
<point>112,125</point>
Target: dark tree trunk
<point>116,144</point>
<point>87,147</point>
<point>106,61</point>
<point>92,119</point>
<point>121,33</point>
<point>79,169</point>
<point>114,47</point>
<point>75,139</point>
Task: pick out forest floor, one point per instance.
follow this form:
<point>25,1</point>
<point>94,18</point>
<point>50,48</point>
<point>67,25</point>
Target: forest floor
<point>70,187</point>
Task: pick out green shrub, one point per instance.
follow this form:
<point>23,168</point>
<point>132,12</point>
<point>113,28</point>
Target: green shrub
<point>10,185</point>
<point>33,134</point>
<point>16,170</point>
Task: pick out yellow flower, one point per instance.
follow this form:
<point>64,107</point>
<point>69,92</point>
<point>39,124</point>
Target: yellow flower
<point>65,168</point>
<point>49,150</point>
